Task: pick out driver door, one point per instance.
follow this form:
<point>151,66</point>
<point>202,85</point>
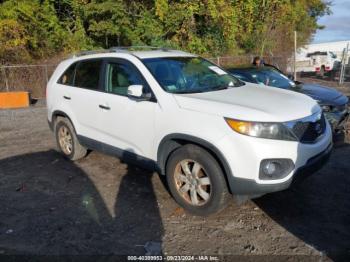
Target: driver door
<point>127,124</point>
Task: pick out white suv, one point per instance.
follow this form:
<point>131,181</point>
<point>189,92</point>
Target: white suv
<point>210,134</point>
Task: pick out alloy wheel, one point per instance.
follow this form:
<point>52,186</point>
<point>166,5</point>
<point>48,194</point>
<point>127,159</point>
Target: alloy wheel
<point>65,140</point>
<point>192,182</point>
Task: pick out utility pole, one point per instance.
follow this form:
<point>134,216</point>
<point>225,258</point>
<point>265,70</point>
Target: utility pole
<point>343,65</point>
<point>295,55</point>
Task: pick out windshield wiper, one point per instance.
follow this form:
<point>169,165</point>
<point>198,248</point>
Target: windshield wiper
<point>222,87</point>
<point>240,83</point>
<point>216,88</point>
<point>189,91</point>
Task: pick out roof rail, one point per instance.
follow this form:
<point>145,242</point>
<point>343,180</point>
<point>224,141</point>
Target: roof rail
<point>90,52</point>
<point>138,47</point>
<point>117,49</point>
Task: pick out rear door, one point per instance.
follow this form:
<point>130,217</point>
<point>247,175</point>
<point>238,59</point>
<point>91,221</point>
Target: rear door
<point>62,94</point>
<point>127,124</point>
<point>84,96</point>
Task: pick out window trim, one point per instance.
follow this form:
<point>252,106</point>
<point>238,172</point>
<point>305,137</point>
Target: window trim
<point>103,75</point>
<point>76,63</point>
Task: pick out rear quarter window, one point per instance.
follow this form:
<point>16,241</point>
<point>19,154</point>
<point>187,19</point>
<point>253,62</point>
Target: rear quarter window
<point>67,78</point>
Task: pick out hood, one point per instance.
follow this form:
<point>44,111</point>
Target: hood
<point>325,95</point>
<point>251,103</point>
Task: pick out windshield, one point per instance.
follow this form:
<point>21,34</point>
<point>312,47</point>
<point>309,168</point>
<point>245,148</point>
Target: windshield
<point>189,74</point>
<point>272,77</point>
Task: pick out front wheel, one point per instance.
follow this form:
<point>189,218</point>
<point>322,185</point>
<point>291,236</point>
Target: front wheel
<point>196,181</point>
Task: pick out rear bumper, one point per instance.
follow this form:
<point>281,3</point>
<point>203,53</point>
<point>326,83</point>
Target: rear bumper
<point>241,186</point>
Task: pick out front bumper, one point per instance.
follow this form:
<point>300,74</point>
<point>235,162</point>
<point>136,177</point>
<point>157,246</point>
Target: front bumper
<point>245,154</point>
<point>241,186</point>
<point>312,165</point>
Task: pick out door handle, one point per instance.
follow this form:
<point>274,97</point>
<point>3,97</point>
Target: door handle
<point>104,107</point>
<point>67,97</point>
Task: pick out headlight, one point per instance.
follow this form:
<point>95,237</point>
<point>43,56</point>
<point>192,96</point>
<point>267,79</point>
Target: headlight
<point>263,130</point>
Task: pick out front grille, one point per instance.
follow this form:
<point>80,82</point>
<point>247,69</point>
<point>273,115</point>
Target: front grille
<point>309,132</point>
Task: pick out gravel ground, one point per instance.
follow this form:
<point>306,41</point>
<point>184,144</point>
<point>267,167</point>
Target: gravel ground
<point>100,206</point>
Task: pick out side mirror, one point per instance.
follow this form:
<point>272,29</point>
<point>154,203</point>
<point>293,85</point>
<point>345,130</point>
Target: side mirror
<point>136,92</point>
<point>291,77</point>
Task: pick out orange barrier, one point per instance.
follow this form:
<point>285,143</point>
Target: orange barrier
<point>14,99</point>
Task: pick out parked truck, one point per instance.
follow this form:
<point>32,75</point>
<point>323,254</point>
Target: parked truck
<point>320,63</point>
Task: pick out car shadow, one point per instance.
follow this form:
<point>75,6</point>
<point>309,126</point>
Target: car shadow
<point>50,206</point>
<point>317,210</point>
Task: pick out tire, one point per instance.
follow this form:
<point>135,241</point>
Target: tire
<point>68,143</point>
<point>192,167</point>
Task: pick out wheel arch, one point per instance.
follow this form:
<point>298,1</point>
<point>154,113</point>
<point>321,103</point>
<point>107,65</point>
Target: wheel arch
<point>173,141</point>
<point>55,115</point>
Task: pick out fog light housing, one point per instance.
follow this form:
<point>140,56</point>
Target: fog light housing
<point>271,169</point>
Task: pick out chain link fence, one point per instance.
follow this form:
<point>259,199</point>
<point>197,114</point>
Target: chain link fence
<point>34,78</point>
<point>31,78</point>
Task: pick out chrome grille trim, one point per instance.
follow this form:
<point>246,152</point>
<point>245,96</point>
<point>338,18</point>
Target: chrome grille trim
<point>308,130</point>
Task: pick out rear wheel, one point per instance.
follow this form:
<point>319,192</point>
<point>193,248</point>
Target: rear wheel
<point>67,140</point>
<point>196,181</point>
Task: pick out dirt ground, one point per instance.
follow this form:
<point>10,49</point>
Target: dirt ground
<point>100,206</point>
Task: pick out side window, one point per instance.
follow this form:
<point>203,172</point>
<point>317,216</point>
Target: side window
<point>68,76</point>
<point>120,76</point>
<point>87,74</point>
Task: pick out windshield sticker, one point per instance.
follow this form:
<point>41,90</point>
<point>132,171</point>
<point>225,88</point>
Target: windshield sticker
<point>217,70</point>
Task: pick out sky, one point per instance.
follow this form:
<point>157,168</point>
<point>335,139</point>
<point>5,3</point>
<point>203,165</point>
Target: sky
<point>337,24</point>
